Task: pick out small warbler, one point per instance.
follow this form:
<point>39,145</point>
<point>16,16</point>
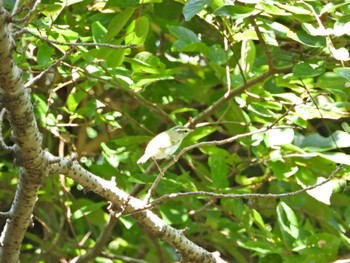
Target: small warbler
<point>164,144</point>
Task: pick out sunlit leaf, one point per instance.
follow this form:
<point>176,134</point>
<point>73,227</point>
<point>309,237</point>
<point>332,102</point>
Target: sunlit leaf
<point>235,11</point>
<point>288,222</point>
<point>137,31</point>
<point>322,193</point>
<point>85,210</point>
<point>272,9</point>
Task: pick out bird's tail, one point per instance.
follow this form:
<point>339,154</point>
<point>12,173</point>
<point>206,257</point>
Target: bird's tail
<point>143,159</point>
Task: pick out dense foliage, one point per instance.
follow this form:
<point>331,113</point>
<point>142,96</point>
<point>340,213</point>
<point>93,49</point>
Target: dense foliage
<point>106,76</point>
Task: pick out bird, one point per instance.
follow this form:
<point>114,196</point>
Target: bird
<point>164,144</point>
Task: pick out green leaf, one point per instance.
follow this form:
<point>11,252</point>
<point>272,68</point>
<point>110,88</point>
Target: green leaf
<point>74,99</point>
<point>202,132</point>
<point>322,193</point>
<point>343,72</point>
<point>217,54</point>
<point>146,62</point>
<point>306,69</point>
<point>336,157</point>
<point>44,55</point>
<point>122,3</point>
<point>72,2</point>
<point>114,157</point>
<point>321,247</point>
<point>235,11</point>
<point>247,56</point>
<point>183,34</point>
<point>284,169</point>
<point>137,31</point>
<point>260,110</point>
<point>271,258</point>
<point>87,209</point>
<point>259,220</point>
<point>115,57</point>
<point>331,80</point>
<point>117,23</point>
<point>219,170</point>
<point>173,213</point>
<point>294,9</point>
<point>331,7</point>
<point>187,40</point>
<point>260,246</point>
<point>300,36</point>
<point>288,223</point>
<point>318,143</point>
<point>129,140</point>
<point>98,31</point>
<point>273,9</point>
<point>192,7</point>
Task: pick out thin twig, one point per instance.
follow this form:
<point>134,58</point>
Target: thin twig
<point>321,115</point>
<point>267,51</point>
<point>135,96</point>
<point>155,183</point>
<point>282,116</point>
<point>227,67</point>
<point>255,195</point>
<point>31,11</point>
<point>163,198</point>
<point>329,41</point>
<point>42,73</point>
<point>16,9</point>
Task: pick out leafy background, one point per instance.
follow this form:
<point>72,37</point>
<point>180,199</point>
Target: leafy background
<point>181,57</point>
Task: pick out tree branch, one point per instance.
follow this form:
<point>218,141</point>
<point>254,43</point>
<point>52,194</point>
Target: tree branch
<point>263,44</point>
<point>29,155</point>
<point>255,195</point>
<point>189,250</point>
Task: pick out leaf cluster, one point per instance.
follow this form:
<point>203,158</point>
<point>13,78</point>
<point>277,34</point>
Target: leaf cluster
<point>167,63</point>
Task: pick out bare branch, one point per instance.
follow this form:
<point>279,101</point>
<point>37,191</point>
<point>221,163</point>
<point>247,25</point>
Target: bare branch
<point>30,12</point>
<point>53,65</point>
<point>231,196</point>
<point>263,44</point>
<point>189,250</point>
<point>27,148</point>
